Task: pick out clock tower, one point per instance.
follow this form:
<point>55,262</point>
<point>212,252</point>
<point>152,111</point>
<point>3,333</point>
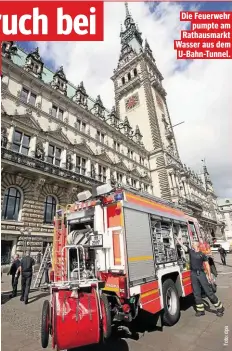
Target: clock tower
<point>140,96</point>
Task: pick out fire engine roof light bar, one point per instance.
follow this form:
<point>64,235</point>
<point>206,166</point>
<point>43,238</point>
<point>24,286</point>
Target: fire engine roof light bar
<point>103,189</point>
<point>84,195</point>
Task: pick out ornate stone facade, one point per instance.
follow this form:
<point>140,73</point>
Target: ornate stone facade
<point>137,75</point>
<point>57,140</point>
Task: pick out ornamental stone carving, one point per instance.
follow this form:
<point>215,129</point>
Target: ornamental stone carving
<point>4,139</point>
<point>59,81</point>
<point>69,164</point>
<point>8,49</point>
<point>39,151</point>
<point>81,97</point>
<point>34,63</point>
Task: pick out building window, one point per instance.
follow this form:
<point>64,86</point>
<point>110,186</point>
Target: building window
<point>21,142</point>
<point>135,72</point>
<point>100,136</point>
<point>83,127</point>
<point>93,172</point>
<point>80,165</point>
<point>146,187</point>
<point>102,173</point>
<point>133,183</point>
<point>130,153</point>
<point>32,99</point>
<point>54,155</point>
<point>11,204</point>
<point>57,112</point>
<point>24,95</point>
<point>116,146</point>
<point>119,177</point>
<point>123,80</point>
<point>141,160</point>
<point>129,76</point>
<point>28,97</point>
<point>49,209</point>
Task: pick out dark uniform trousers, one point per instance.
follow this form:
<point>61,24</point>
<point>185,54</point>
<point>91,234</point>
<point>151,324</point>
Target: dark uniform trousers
<point>223,259</point>
<point>26,284</point>
<point>199,281</point>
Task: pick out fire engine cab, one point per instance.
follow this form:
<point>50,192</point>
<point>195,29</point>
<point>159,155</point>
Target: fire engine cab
<point>115,253</point>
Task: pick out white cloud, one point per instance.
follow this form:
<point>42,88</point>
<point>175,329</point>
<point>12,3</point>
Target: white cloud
<point>199,93</point>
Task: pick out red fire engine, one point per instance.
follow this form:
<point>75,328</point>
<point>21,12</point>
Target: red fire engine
<point>115,253</point>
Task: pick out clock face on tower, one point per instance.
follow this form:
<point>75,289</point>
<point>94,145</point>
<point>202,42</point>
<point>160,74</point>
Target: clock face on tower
<point>132,102</point>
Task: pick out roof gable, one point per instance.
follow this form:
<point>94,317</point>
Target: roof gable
<point>84,147</point>
<point>122,166</point>
<point>135,172</point>
<point>28,120</point>
<point>58,135</point>
<point>104,157</point>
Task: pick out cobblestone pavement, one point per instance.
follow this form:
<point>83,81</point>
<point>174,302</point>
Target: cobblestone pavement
<point>21,325</point>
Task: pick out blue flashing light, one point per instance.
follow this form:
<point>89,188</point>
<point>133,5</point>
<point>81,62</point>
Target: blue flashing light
<point>118,196</point>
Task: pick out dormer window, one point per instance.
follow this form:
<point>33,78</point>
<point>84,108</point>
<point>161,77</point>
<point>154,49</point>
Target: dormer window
<point>34,63</point>
<point>59,81</point>
<point>81,97</point>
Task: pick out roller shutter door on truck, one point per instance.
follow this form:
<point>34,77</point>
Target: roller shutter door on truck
<point>139,246</point>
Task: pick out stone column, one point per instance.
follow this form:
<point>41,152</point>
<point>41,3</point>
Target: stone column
<point>46,146</point>
<point>10,136</point>
<point>107,175</point>
<point>32,146</point>
<point>63,158</point>
<point>88,168</point>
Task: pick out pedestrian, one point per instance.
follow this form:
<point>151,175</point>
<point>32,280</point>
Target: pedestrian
<point>222,252</point>
<point>213,268</point>
<point>199,280</point>
<point>14,277</point>
<point>27,269</point>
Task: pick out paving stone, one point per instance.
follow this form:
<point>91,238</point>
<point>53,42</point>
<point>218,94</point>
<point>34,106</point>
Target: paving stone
<point>21,327</point>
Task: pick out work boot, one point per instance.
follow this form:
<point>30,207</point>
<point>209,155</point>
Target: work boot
<point>220,311</point>
<point>200,313</point>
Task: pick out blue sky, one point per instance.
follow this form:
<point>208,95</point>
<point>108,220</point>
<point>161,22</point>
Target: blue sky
<point>188,83</point>
<point>202,6</point>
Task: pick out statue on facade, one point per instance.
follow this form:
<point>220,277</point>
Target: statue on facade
<point>113,181</point>
<point>69,162</point>
<point>39,151</point>
<point>4,137</point>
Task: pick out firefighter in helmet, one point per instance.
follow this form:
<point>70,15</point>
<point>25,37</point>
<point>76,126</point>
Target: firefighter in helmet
<point>199,279</point>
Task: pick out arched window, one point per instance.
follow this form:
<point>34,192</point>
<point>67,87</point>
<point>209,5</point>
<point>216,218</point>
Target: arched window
<point>135,72</point>
<point>123,80</point>
<point>129,76</point>
<point>49,209</point>
<point>11,204</point>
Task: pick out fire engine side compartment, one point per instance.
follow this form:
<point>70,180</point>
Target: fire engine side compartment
<point>139,246</point>
<point>140,255</point>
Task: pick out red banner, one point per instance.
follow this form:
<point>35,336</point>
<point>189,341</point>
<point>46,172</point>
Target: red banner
<point>51,21</point>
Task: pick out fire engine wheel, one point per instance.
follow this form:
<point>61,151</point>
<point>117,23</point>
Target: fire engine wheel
<point>106,318</point>
<point>171,301</point>
<point>45,324</point>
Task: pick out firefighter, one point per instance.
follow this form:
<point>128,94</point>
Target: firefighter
<point>199,279</point>
<point>222,255</point>
<point>27,269</point>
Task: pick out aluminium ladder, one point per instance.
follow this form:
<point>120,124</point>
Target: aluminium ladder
<point>47,257</point>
